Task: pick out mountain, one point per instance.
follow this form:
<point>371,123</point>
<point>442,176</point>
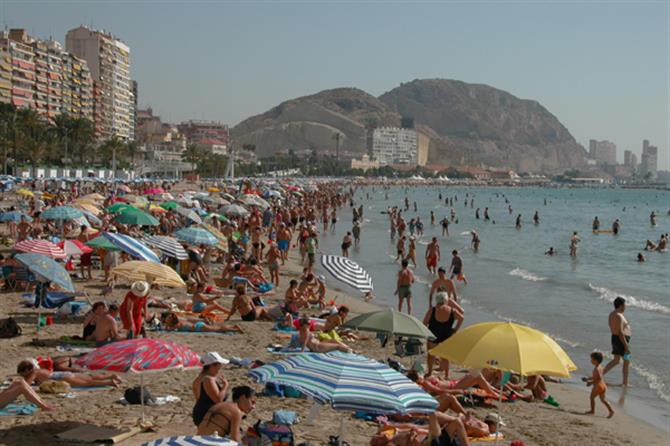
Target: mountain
<point>467,124</point>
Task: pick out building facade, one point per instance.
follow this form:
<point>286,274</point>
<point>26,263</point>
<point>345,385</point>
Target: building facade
<point>603,152</point>
<point>108,60</point>
<point>199,131</point>
<point>43,77</point>
<point>649,159</point>
<point>394,145</point>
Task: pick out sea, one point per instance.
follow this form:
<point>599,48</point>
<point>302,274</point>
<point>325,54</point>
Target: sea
<point>510,277</point>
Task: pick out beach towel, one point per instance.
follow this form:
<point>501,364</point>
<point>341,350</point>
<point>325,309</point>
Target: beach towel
<point>69,340</point>
<point>279,327</point>
<point>488,438</point>
<point>13,409</point>
<point>285,350</point>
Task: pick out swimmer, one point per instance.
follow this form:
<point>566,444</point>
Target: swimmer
<point>550,252</point>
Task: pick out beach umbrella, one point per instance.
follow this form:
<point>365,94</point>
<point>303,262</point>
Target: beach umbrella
<point>76,232</point>
<point>272,194</point>
<point>168,246</point>
<point>140,356</point>
<point>169,205</point>
<point>214,200</point>
<point>506,346</point>
<point>154,191</point>
<point>101,242</point>
<point>156,209</point>
<point>86,205</point>
<point>118,207</point>
<point>43,247</point>
<point>25,193</point>
<point>189,213</point>
<point>61,213</point>
<point>254,200</point>
<point>196,236</point>
<point>347,271</point>
<point>213,189</point>
<point>154,273</point>
<point>74,247</point>
<point>94,197</point>
<point>136,217</point>
<point>348,382</point>
<point>123,188</point>
<point>234,210</point>
<point>193,440</point>
<point>390,321</point>
<point>47,269</point>
<point>133,247</point>
<point>223,240</point>
<point>14,216</point>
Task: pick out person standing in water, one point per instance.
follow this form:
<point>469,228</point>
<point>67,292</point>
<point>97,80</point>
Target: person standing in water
<point>621,333</point>
<point>536,218</point>
<point>404,286</point>
<point>475,240</point>
<point>356,231</point>
<point>518,221</point>
<point>573,244</point>
<point>616,226</point>
<point>432,255</point>
<point>445,226</point>
<point>456,267</point>
<point>652,218</point>
<point>596,224</point>
<point>486,214</point>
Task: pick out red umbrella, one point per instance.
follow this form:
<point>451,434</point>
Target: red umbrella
<point>154,190</point>
<point>43,247</point>
<point>74,247</point>
<point>140,356</point>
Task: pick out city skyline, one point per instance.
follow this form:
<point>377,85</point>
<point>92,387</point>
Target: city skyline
<point>601,69</point>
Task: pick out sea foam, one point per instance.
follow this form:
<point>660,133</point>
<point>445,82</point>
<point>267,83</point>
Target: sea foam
<point>631,301</point>
<point>526,275</point>
<point>654,381</point>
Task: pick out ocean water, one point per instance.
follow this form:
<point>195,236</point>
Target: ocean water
<point>510,278</point>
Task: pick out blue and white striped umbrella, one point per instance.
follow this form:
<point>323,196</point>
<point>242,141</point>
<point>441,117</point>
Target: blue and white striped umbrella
<point>348,271</point>
<point>196,236</point>
<point>132,246</point>
<point>168,246</point>
<point>61,213</point>
<point>189,213</point>
<point>192,440</point>
<point>348,382</point>
<point>14,216</point>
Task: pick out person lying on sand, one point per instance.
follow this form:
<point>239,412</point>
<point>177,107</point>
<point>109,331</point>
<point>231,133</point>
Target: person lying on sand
<point>307,340</point>
<point>437,386</point>
<point>22,386</point>
<point>202,304</point>
<point>28,369</point>
<point>172,322</point>
<point>442,430</point>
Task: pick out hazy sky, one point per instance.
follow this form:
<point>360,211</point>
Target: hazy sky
<point>603,68</point>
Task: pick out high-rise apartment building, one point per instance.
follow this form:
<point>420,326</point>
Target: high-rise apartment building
<point>627,156</point>
<point>603,152</point>
<point>5,73</point>
<point>633,161</point>
<point>394,145</point>
<point>42,77</point>
<point>108,60</point>
<point>649,159</point>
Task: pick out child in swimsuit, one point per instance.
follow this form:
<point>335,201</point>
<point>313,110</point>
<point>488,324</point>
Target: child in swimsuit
<point>598,383</point>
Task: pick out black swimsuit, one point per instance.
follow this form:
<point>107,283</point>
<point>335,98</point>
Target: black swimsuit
<point>441,330</point>
<point>201,406</point>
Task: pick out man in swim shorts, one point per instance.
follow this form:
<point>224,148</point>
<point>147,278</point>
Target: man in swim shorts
<point>620,329</point>
<point>432,255</point>
<point>404,286</point>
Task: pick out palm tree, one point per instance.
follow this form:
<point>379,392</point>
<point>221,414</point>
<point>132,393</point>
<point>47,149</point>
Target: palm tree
<point>114,149</point>
<point>193,154</point>
<point>81,138</point>
<point>34,138</point>
<point>62,129</point>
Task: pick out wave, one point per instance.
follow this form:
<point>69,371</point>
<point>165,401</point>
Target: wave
<point>631,301</point>
<point>654,381</point>
<point>526,275</point>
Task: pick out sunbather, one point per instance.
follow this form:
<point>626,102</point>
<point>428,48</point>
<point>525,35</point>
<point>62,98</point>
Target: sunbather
<point>172,322</point>
<point>246,307</point>
<point>307,339</point>
<point>443,430</point>
<point>30,371</point>
<point>438,386</point>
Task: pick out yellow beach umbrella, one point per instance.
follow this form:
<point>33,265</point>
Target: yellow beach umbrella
<point>506,346</point>
<point>25,193</point>
<point>214,189</point>
<point>154,273</point>
<point>88,206</point>
<point>156,209</point>
<point>94,197</point>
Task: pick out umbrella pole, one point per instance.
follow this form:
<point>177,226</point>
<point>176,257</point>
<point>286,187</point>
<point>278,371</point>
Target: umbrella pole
<point>340,434</point>
<point>498,421</point>
<point>142,395</point>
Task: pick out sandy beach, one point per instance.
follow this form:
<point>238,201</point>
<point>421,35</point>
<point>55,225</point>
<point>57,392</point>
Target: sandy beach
<point>534,423</point>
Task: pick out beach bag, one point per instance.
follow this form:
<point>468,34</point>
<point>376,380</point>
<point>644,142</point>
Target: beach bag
<point>9,328</point>
<point>51,386</point>
<point>286,417</point>
<point>274,434</point>
<point>408,347</point>
<point>134,395</point>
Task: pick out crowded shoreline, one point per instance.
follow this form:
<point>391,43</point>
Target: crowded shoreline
<point>524,421</point>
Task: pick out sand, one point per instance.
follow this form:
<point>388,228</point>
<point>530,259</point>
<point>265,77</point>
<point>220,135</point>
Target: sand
<point>534,423</point>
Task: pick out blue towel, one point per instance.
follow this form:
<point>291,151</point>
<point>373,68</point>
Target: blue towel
<point>283,328</point>
<point>13,409</point>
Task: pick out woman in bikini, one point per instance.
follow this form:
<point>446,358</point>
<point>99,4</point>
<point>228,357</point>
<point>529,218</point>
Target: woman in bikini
<point>30,372</point>
<point>22,386</point>
<point>307,340</point>
<point>226,418</point>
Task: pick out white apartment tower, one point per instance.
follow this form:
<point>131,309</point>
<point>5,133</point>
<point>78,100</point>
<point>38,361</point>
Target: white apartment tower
<point>394,145</point>
<point>108,59</point>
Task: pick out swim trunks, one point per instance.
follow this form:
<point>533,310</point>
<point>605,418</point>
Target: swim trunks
<point>282,245</point>
<point>431,261</point>
<point>617,346</point>
<point>250,316</point>
<point>199,307</point>
<point>405,291</point>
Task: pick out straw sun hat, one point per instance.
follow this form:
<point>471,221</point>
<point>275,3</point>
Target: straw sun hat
<point>140,288</point>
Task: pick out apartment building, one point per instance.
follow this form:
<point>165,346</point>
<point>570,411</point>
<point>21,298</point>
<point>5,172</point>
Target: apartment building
<point>108,60</point>
<point>394,145</point>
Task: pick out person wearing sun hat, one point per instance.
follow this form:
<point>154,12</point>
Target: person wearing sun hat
<point>210,387</point>
<point>133,310</point>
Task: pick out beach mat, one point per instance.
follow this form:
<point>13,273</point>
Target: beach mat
<point>489,438</point>
<point>12,409</point>
<point>87,433</point>
<point>286,351</point>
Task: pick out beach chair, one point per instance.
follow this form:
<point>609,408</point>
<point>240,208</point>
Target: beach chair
<point>19,277</point>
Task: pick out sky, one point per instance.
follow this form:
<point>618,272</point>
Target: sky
<point>601,67</point>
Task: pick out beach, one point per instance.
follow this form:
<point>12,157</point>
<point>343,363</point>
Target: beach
<point>536,423</point>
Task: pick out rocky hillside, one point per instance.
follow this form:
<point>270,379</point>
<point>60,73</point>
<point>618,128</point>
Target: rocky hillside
<point>467,123</point>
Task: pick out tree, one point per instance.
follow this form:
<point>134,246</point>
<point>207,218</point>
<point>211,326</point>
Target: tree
<point>81,138</point>
<point>193,154</point>
<point>113,149</point>
<point>34,138</point>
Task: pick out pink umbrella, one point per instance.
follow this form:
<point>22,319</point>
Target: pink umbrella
<point>43,247</point>
<point>154,190</point>
<point>140,356</point>
<point>74,248</point>
<point>123,188</point>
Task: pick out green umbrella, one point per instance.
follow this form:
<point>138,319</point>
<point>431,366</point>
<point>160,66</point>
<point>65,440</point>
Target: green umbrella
<point>118,207</point>
<point>101,243</point>
<point>169,205</point>
<point>391,322</point>
<point>134,216</point>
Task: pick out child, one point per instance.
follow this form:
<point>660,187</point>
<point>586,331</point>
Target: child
<point>598,383</point>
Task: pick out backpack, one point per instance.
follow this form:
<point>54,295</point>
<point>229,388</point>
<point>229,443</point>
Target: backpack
<point>9,328</point>
<point>133,395</point>
<point>268,434</point>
